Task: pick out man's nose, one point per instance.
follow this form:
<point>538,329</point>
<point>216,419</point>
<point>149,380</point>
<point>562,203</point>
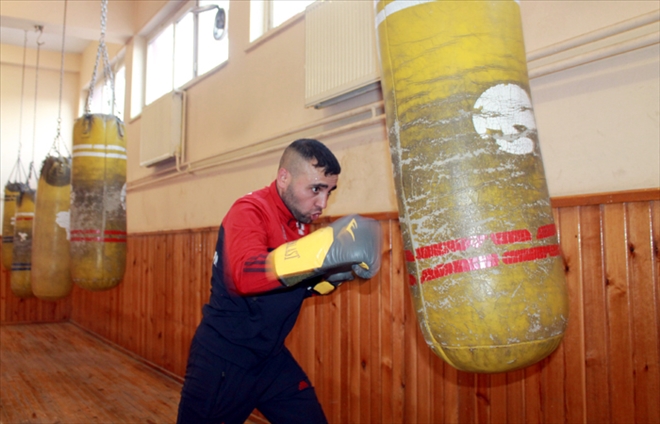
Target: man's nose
<point>322,201</point>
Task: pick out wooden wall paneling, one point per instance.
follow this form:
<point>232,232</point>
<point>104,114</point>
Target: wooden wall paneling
<point>168,304</point>
<point>425,358</point>
<point>515,400</point>
<point>410,360</point>
<point>337,358</point>
<point>482,399</point>
<point>141,290</point>
<point>552,387</point>
<point>210,239</point>
<point>195,282</point>
<point>617,289</point>
<point>188,293</point>
<point>643,310</point>
<point>160,316</point>
<point>595,317</point>
<point>180,259</point>
<point>467,385</point>
<point>438,382</point>
<point>375,300</point>
<point>386,325</point>
<point>655,251</point>
<point>4,286</point>
<point>573,342</point>
<point>400,296</point>
<point>345,381</point>
<point>151,285</point>
<point>321,337</point>
<point>497,399</point>
<point>354,352</point>
<point>366,364</point>
<point>451,400</point>
<point>532,394</point>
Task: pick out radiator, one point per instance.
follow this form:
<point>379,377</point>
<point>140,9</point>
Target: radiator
<point>341,58</point>
<point>161,128</point>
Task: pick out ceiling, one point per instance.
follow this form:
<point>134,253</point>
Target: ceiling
<point>18,19</point>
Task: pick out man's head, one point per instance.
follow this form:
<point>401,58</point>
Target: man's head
<point>307,175</point>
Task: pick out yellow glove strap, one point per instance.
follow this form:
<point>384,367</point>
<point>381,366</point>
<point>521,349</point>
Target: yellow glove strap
<point>303,255</point>
<point>324,288</point>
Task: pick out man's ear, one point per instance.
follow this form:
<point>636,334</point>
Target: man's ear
<point>283,178</point>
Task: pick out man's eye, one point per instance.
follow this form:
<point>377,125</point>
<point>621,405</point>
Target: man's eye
<point>315,189</point>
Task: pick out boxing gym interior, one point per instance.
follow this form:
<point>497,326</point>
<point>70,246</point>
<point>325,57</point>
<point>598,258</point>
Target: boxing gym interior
<point>509,151</point>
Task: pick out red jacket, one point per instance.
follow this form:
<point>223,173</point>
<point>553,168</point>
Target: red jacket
<point>249,314</point>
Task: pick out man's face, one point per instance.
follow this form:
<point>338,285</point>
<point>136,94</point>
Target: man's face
<point>306,193</point>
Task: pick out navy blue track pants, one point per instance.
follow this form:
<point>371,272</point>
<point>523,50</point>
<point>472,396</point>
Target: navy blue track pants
<point>218,391</point>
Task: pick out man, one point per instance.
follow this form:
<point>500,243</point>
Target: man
<point>266,263</point>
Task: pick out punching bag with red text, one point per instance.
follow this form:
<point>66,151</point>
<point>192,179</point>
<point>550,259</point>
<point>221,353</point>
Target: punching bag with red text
<point>484,264</point>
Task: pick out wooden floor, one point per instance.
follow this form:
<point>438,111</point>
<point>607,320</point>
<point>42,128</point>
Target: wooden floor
<point>58,373</point>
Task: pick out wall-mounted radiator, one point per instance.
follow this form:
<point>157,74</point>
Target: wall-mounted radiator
<point>340,50</point>
<point>161,128</point>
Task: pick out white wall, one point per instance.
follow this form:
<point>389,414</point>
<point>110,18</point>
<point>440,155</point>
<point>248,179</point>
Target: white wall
<point>43,133</point>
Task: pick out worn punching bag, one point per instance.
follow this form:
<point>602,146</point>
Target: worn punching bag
<point>51,279</point>
<point>11,193</point>
<point>22,252</point>
<point>98,208</point>
<point>484,264</point>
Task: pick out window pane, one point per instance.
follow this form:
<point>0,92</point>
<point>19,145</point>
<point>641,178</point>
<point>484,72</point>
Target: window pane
<point>106,99</point>
<point>183,50</point>
<point>211,52</point>
<point>285,9</point>
<point>120,92</point>
<point>256,19</point>
<point>159,65</point>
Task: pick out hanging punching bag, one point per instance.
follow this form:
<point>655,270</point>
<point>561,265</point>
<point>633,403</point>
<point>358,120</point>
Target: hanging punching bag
<point>98,208</point>
<point>486,274</point>
<point>51,279</point>
<point>8,216</point>
<point>22,253</point>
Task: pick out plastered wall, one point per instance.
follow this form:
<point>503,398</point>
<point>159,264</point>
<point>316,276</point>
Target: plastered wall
<point>16,130</point>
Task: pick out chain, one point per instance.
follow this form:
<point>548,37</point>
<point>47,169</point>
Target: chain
<point>58,137</point>
<point>107,69</point>
<point>31,170</point>
<point>20,119</point>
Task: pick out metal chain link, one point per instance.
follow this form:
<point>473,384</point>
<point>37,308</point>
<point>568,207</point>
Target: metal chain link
<point>32,171</point>
<point>107,69</point>
<point>58,136</point>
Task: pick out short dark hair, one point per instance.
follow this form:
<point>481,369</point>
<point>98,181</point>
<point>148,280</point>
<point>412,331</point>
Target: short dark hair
<point>311,149</point>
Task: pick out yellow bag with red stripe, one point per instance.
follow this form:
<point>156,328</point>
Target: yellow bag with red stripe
<point>98,202</point>
<point>12,190</point>
<point>485,269</point>
<point>22,253</point>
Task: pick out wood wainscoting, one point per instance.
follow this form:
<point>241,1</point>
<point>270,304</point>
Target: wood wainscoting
<point>362,347</point>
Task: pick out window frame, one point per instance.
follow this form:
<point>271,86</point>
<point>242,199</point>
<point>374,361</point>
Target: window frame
<point>267,24</point>
<point>172,20</point>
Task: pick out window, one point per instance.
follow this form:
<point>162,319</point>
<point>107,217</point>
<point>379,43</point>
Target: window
<point>269,14</point>
<point>185,49</point>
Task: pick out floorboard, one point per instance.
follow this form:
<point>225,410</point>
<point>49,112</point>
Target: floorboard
<point>58,373</point>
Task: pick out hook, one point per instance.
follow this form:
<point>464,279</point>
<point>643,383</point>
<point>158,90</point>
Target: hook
<point>40,30</point>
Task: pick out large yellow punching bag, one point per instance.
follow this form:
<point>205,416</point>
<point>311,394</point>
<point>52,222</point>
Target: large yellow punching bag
<point>22,253</point>
<point>98,208</point>
<point>8,216</point>
<point>484,265</point>
<point>51,279</point>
